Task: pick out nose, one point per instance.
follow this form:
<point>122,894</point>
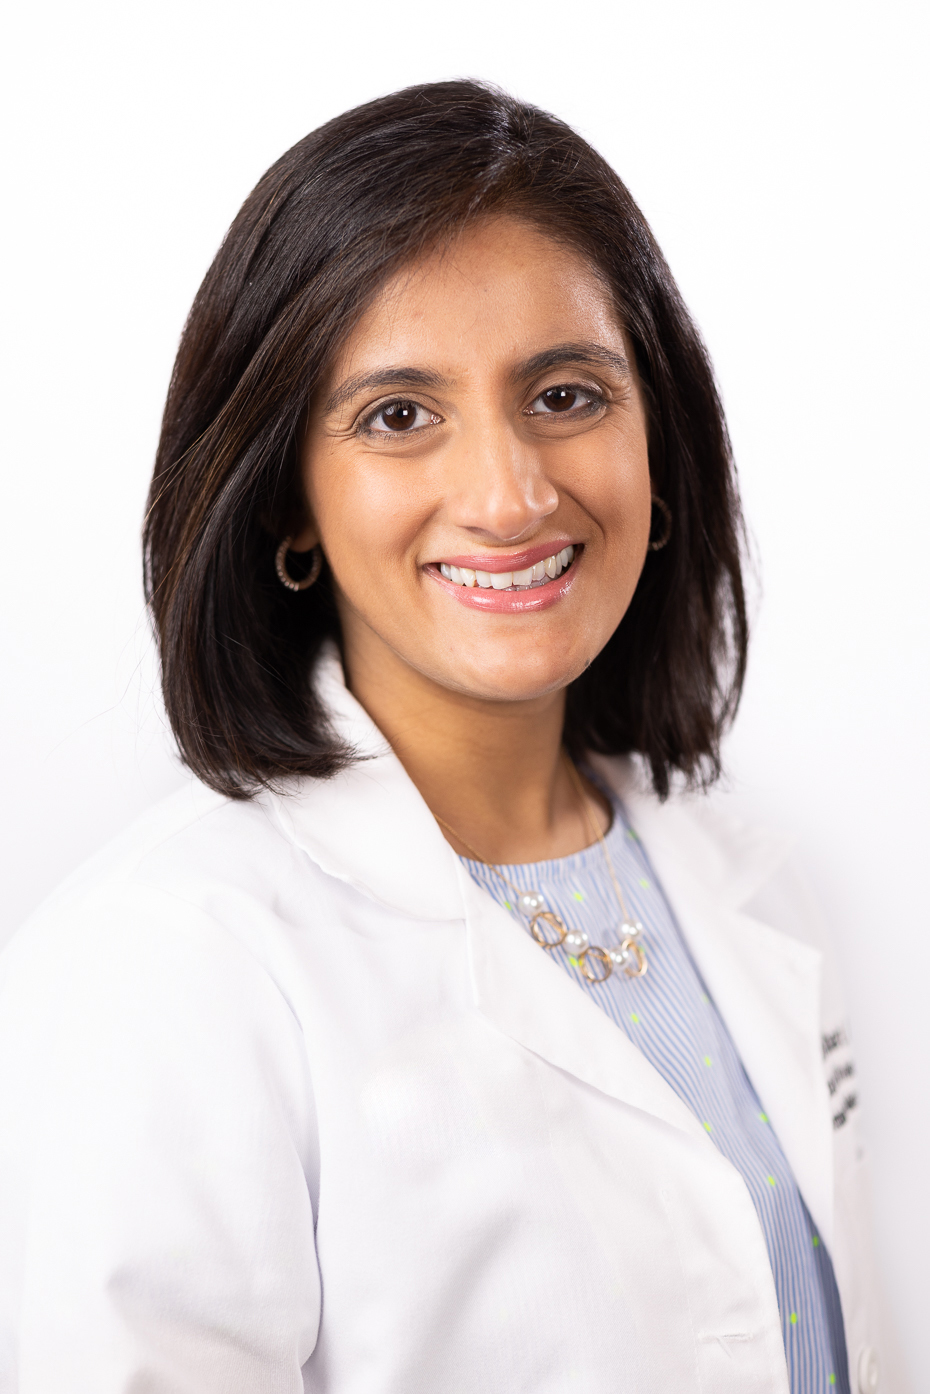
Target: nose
<point>498,488</point>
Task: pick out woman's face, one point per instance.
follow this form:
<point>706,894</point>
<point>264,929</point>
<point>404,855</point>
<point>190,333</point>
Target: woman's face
<point>476,468</point>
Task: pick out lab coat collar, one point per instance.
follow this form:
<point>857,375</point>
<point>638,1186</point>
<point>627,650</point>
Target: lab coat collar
<point>369,826</point>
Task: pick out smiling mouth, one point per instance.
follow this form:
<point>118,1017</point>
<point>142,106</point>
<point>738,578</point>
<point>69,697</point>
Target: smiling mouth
<point>531,578</point>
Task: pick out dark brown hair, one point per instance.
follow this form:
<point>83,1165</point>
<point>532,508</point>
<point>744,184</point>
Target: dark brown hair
<point>323,229</point>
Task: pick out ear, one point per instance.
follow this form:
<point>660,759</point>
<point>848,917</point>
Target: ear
<point>307,538</point>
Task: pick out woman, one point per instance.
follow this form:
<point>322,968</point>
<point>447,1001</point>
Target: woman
<point>425,1043</point>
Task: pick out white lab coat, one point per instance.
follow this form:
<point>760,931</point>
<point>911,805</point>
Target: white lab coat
<point>288,1103</point>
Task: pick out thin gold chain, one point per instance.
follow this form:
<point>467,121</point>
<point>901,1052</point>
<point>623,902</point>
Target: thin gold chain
<point>576,780</point>
<point>592,827</point>
<point>477,855</point>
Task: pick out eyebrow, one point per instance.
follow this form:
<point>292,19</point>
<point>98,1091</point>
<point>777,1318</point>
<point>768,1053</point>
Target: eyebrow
<point>561,354</point>
<point>554,357</point>
<point>380,379</point>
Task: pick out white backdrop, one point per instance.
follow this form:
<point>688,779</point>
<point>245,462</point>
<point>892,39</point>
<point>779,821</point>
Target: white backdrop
<point>777,151</point>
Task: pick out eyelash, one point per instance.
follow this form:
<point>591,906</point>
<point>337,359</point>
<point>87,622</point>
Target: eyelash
<point>597,400</point>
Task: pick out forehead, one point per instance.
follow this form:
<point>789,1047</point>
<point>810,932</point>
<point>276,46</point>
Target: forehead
<point>502,290</point>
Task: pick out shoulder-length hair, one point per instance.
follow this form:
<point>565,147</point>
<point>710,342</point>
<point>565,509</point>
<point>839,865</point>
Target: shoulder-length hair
<point>337,215</point>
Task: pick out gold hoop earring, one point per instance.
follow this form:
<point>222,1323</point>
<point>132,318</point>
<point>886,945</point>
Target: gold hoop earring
<point>666,512</point>
<point>280,558</point>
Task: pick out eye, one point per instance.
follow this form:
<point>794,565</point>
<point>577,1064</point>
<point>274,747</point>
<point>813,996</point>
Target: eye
<point>395,418</point>
<point>564,398</point>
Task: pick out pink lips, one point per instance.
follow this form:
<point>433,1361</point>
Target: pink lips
<point>519,602</point>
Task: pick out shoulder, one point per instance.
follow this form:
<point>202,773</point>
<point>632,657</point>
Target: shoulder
<point>179,844</point>
<point>157,970</point>
<point>188,897</point>
<point>729,857</point>
<point>737,863</point>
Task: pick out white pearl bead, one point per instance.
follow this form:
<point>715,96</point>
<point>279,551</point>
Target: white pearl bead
<point>575,942</point>
<point>630,928</point>
<point>618,957</point>
<point>531,902</point>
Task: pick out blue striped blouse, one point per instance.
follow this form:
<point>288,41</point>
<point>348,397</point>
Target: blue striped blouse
<point>669,1015</point>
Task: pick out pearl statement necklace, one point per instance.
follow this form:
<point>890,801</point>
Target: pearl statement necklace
<point>550,930</point>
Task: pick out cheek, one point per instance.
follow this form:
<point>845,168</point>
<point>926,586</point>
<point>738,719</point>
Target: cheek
<point>614,488</point>
<point>637,513</point>
<point>365,511</point>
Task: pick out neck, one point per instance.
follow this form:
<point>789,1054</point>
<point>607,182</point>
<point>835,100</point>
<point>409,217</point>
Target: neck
<point>494,772</point>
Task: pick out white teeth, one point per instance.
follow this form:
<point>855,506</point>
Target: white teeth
<point>548,569</point>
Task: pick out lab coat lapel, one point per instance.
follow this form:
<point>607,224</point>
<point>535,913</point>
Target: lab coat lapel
<point>766,985</point>
<point>531,999</point>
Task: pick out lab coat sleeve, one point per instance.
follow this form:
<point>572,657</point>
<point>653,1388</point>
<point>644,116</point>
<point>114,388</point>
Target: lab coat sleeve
<point>156,1158</point>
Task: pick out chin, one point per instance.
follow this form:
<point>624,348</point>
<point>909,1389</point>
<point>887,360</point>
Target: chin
<point>517,676</point>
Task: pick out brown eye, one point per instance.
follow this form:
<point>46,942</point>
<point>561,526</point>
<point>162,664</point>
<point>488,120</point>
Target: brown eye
<point>399,416</point>
<point>566,399</point>
<point>560,398</point>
